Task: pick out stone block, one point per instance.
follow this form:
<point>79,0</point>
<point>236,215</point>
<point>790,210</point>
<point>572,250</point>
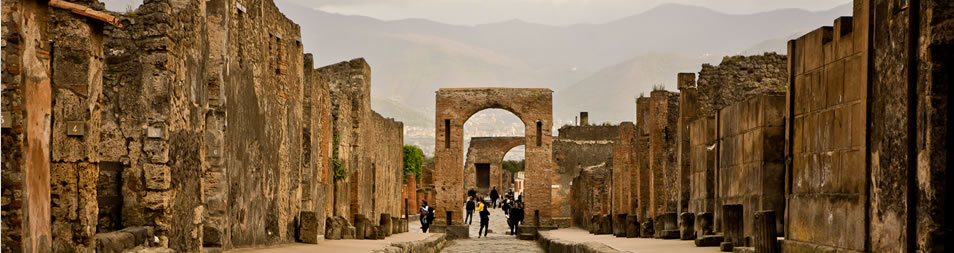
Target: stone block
<point>348,232</point>
<point>333,228</point>
<point>386,225</point>
<point>687,226</point>
<point>457,232</point>
<point>308,227</point>
<point>396,227</point>
<point>647,229</point>
<point>606,225</point>
<point>380,232</point>
<point>709,241</point>
<point>619,227</point>
<point>725,247</point>
<point>704,224</point>
<point>632,227</point>
<point>362,227</point>
<point>141,234</point>
<point>114,242</point>
<point>158,177</point>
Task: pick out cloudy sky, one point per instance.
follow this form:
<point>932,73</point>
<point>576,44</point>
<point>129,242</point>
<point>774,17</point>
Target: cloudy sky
<point>554,12</point>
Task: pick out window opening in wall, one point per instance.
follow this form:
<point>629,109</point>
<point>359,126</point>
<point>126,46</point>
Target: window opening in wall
<point>109,197</point>
<point>446,133</point>
<point>539,133</point>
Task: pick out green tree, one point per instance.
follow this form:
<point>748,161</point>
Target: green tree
<point>413,157</point>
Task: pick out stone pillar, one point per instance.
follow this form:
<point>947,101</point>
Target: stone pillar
<point>733,224</point>
<point>687,226</point>
<point>688,112</point>
<point>765,237</point>
<point>584,118</point>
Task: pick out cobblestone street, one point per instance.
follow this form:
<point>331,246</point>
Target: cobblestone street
<point>497,239</point>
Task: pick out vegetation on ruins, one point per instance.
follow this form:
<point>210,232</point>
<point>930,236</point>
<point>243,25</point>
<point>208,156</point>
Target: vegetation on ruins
<point>513,165</point>
<point>413,158</point>
<point>340,171</point>
<point>657,87</point>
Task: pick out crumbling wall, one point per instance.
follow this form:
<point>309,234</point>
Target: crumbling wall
<point>386,153</point>
<point>589,194</point>
<point>739,77</point>
<point>578,148</point>
<point>751,152</point>
<point>317,178</point>
<point>264,97</point>
<point>347,83</point>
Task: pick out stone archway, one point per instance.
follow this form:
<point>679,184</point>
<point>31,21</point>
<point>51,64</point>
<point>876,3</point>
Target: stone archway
<point>454,106</point>
<point>490,151</point>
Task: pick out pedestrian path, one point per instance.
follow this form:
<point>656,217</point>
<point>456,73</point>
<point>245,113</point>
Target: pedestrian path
<point>638,245</point>
<point>339,245</point>
<point>496,241</point>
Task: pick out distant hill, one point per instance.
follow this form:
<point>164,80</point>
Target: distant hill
<point>598,68</point>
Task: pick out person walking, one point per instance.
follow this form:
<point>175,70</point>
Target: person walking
<point>427,216</point>
<point>507,204</point>
<point>470,206</point>
<point>484,219</point>
<point>516,217</point>
<point>494,195</point>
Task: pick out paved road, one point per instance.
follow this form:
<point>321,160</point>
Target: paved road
<point>496,241</point>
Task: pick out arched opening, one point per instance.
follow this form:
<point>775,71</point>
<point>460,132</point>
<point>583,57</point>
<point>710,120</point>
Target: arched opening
<point>488,136</point>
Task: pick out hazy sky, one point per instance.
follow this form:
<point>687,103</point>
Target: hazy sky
<point>555,12</point>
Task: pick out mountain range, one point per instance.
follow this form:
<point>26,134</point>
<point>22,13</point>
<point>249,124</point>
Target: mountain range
<point>598,68</point>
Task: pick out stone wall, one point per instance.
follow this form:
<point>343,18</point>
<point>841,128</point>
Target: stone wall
<point>369,146</point>
<point>579,148</point>
<point>879,90</point>
<point>751,153</point>
<point>201,122</point>
<point>704,152</point>
<point>490,151</point>
<point>590,194</point>
<point>827,134</point>
<point>739,77</point>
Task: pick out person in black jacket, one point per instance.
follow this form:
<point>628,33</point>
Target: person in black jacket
<point>470,211</point>
<point>472,193</point>
<point>427,216</point>
<point>516,217</point>
<point>494,195</point>
<point>484,220</point>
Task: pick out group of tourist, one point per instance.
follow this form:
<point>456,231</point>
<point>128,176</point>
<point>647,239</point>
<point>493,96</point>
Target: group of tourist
<point>512,208</point>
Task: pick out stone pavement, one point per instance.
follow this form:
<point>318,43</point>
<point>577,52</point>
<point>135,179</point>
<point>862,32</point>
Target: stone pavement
<point>638,245</point>
<point>339,245</point>
<point>497,239</point>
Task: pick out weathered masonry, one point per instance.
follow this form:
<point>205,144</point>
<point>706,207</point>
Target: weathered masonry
<point>582,155</point>
<point>484,168</point>
<point>867,139</point>
<point>199,123</point>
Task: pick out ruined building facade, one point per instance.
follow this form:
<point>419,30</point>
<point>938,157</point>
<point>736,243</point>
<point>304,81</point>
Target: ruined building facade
<point>201,123</point>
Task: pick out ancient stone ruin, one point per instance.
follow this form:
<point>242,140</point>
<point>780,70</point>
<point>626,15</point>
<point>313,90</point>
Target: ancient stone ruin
<point>185,125</point>
<point>202,126</point>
